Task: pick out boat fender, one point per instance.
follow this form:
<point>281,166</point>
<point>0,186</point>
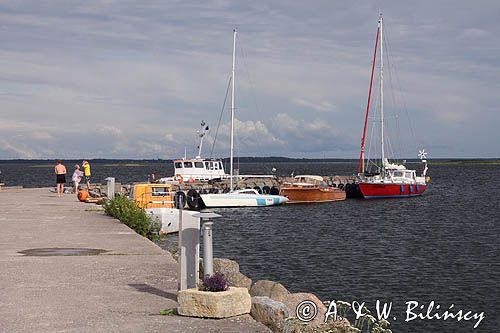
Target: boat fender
<point>428,179</point>
<point>258,189</point>
<point>193,199</point>
<point>416,187</point>
<point>266,189</point>
<point>402,189</point>
<point>411,188</point>
<point>274,191</point>
<point>177,199</point>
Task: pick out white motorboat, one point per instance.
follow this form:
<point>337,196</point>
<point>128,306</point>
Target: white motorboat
<point>242,198</point>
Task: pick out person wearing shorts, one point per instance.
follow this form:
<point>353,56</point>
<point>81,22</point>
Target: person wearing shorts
<point>60,171</point>
<point>86,173</point>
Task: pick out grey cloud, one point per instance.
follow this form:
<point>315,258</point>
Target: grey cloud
<point>133,79</point>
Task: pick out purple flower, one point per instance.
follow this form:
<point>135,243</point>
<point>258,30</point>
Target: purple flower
<point>216,282</point>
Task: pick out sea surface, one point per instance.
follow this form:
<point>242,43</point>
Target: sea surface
<point>442,247</point>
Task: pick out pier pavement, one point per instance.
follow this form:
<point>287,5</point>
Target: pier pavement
<point>122,290</point>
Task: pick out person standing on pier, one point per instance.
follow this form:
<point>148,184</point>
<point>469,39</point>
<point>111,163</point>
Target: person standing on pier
<point>77,177</point>
<point>86,173</point>
<point>60,171</point>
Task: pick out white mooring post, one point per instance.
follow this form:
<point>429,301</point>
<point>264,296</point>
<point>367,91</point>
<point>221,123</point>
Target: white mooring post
<point>111,187</point>
<point>189,249</point>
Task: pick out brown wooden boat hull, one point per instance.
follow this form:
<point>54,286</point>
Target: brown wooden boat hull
<point>297,194</point>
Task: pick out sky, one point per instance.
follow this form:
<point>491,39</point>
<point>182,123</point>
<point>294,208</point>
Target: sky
<point>134,79</point>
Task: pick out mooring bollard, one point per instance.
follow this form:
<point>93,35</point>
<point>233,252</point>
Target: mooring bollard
<point>111,187</point>
<point>208,258</point>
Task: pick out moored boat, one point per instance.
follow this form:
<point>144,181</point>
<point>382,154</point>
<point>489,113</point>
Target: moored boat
<point>242,198</point>
<point>238,198</point>
<point>390,180</point>
<point>310,189</point>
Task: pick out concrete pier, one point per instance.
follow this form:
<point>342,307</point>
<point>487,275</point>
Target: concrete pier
<point>122,290</point>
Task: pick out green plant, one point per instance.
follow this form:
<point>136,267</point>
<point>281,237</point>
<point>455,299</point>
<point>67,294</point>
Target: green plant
<point>130,214</point>
<point>168,312</point>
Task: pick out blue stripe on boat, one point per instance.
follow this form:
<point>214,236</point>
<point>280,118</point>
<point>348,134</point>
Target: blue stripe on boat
<point>261,202</point>
<point>276,201</point>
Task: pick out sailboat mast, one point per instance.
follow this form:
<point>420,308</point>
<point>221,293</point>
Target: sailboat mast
<point>382,155</point>
<point>361,164</point>
<point>232,113</point>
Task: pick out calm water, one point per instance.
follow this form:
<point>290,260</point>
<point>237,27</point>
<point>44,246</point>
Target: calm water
<point>441,247</point>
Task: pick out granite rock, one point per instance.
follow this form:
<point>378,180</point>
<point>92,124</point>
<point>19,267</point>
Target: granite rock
<point>269,312</point>
<point>271,289</point>
<point>232,302</point>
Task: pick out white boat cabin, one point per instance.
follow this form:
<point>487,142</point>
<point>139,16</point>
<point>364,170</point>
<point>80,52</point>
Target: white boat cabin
<point>199,169</point>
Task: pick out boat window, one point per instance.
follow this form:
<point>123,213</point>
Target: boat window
<point>398,174</point>
<point>178,165</point>
<point>159,191</point>
<point>198,165</point>
<point>408,174</point>
<point>188,164</point>
<point>216,166</point>
<point>220,165</point>
<point>210,165</point>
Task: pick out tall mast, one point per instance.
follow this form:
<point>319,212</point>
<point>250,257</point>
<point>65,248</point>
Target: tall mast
<point>232,113</point>
<point>382,155</point>
<point>361,164</point>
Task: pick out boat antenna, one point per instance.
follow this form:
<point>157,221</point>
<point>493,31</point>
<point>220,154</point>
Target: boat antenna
<point>201,133</point>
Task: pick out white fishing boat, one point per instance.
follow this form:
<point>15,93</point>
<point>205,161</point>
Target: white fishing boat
<point>198,168</point>
<point>239,198</point>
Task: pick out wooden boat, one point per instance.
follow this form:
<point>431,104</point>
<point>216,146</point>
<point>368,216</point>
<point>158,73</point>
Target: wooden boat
<point>309,189</point>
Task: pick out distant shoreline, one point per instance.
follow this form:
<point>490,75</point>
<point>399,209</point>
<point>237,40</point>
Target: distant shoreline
<point>141,162</point>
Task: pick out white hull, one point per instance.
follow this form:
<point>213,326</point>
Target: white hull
<point>237,199</point>
<point>168,217</point>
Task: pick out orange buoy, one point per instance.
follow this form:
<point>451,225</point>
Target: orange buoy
<point>82,195</point>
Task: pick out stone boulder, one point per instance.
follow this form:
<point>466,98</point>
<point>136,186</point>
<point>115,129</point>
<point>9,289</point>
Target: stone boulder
<point>231,270</point>
<point>271,289</point>
<point>269,312</point>
<point>223,304</point>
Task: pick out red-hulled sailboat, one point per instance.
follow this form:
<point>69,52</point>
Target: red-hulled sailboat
<point>390,180</point>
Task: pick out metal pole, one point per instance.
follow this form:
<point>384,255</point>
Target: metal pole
<point>232,113</point>
<point>110,187</point>
<point>208,260</point>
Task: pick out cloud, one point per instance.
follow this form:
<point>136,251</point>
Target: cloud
<point>133,81</point>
